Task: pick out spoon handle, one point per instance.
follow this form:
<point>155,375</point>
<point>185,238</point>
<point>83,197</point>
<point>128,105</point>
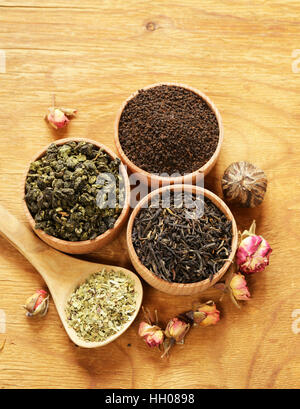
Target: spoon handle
<point>40,255</point>
<point>20,236</point>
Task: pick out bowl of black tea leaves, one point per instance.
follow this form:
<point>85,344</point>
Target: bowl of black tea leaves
<point>76,195</point>
<point>181,239</point>
<point>168,133</point>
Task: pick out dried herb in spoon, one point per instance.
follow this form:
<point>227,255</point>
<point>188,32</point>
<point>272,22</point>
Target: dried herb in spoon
<point>102,305</point>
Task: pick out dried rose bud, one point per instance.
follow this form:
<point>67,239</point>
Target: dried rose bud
<point>194,317</point>
<point>212,314</point>
<point>239,287</point>
<point>57,118</point>
<point>253,252</point>
<point>177,329</point>
<point>37,304</point>
<point>69,111</point>
<point>152,334</point>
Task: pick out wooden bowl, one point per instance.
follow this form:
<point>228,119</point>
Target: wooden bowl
<point>191,178</point>
<point>86,246</point>
<point>178,288</point>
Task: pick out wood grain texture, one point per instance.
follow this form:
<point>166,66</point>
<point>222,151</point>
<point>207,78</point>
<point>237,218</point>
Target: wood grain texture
<point>93,55</point>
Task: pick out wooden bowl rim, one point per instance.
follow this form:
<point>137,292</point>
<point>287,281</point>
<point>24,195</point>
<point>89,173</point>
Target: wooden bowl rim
<point>164,179</point>
<point>218,202</point>
<point>99,238</point>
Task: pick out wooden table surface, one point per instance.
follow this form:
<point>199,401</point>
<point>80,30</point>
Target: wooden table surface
<point>93,55</point>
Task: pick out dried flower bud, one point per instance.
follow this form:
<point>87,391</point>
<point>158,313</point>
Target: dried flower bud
<point>177,329</point>
<point>253,252</point>
<point>210,310</point>
<point>37,304</point>
<point>238,286</point>
<point>58,117</point>
<point>152,334</point>
<point>69,111</point>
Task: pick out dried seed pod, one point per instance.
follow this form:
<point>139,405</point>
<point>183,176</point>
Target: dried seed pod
<point>244,184</point>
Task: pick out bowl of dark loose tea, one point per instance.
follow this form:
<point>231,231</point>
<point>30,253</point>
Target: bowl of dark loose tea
<point>181,239</point>
<point>169,131</point>
<point>76,195</point>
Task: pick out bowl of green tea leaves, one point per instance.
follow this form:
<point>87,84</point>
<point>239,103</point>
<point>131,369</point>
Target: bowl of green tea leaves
<point>76,195</point>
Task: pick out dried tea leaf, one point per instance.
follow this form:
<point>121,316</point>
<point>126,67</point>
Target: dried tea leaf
<point>75,191</point>
<point>186,242</point>
<point>101,306</point>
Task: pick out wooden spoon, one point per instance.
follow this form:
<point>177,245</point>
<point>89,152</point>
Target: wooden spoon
<point>62,273</point>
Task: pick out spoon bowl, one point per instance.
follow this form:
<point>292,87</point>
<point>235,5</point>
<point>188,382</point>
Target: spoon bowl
<point>62,273</point>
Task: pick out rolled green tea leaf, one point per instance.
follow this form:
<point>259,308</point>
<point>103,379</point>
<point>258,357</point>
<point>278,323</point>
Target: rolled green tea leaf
<point>67,191</point>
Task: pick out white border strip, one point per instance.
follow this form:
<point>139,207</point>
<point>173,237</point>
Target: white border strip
<point>296,62</point>
<point>2,62</point>
<point>296,322</point>
<point>2,322</point>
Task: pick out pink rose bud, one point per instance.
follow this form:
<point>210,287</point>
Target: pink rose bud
<point>239,287</point>
<point>37,304</point>
<point>177,329</point>
<point>152,334</point>
<point>212,314</point>
<point>253,253</point>
<point>69,111</point>
<point>57,118</point>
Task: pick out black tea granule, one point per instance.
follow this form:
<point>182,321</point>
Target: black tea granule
<point>168,129</point>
